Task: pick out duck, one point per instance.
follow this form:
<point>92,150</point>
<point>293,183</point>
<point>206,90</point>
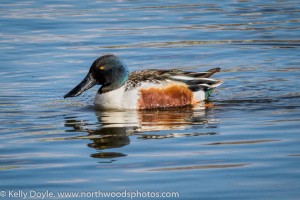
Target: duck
<point>145,89</point>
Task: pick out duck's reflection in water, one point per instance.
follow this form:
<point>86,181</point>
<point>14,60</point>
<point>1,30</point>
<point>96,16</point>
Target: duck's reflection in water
<point>115,127</point>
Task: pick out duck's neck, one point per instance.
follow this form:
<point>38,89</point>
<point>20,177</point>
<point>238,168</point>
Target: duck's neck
<point>116,80</point>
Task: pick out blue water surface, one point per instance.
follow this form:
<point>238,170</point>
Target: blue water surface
<point>244,147</point>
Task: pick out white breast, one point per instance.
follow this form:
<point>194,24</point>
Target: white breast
<point>121,99</point>
<point>117,99</point>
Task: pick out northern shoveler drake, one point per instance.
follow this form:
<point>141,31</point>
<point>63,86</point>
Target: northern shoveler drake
<point>146,89</point>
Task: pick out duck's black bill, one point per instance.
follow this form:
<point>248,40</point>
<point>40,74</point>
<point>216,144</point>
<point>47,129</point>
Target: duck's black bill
<point>88,82</point>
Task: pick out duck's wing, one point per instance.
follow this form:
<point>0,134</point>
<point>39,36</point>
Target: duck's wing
<point>194,80</point>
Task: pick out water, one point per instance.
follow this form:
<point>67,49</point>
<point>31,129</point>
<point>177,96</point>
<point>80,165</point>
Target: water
<point>245,147</point>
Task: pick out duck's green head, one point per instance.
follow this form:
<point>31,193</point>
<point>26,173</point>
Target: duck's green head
<point>108,71</point>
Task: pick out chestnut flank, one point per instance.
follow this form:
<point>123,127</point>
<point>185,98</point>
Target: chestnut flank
<point>174,95</point>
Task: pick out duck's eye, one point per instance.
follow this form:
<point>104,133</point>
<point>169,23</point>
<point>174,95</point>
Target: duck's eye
<point>101,67</point>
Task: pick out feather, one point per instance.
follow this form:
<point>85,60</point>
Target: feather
<point>158,76</point>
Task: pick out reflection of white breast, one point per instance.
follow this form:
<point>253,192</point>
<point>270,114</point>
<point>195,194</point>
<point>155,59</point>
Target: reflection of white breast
<point>118,118</point>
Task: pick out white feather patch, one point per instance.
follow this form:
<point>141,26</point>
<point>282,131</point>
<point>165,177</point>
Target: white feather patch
<point>183,78</point>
